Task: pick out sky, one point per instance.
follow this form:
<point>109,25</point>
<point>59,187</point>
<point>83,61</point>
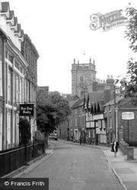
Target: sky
<point>60,31</point>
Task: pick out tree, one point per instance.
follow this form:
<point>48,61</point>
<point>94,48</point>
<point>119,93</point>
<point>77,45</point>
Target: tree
<point>130,83</point>
<point>24,130</point>
<point>131,32</point>
<point>51,111</point>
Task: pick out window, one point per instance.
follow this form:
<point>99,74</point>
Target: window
<point>9,83</point>
<point>8,129</point>
<point>17,88</point>
<point>14,88</point>
<point>1,78</point>
<point>17,65</point>
<point>11,58</point>
<point>19,92</point>
<point>27,91</point>
<point>22,90</point>
<point>1,116</point>
<point>6,54</point>
<point>13,128</point>
<point>1,93</point>
<point>81,78</point>
<point>17,129</point>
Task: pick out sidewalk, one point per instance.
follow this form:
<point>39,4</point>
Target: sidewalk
<point>31,165</point>
<point>125,170</point>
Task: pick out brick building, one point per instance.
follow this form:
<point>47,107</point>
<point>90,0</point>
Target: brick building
<point>18,76</point>
<point>121,119</point>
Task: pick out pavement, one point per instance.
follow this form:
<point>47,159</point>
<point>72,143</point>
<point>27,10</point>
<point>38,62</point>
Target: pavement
<point>125,170</point>
<point>32,164</point>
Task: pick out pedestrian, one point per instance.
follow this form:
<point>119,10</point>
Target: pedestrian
<point>80,139</point>
<point>115,146</point>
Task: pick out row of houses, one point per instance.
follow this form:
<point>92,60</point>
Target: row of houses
<point>18,76</point>
<point>104,116</point>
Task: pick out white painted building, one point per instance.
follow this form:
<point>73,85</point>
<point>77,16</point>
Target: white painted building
<point>15,88</point>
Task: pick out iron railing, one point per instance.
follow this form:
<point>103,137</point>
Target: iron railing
<point>12,159</point>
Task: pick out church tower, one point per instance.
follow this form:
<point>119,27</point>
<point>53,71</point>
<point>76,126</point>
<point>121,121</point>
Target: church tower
<point>83,76</point>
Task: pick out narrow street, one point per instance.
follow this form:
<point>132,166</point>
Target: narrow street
<point>75,167</point>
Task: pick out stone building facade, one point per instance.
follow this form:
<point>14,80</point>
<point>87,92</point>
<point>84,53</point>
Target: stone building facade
<point>83,76</point>
<point>84,79</point>
<point>15,87</point>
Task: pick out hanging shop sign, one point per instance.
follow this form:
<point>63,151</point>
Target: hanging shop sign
<point>26,110</point>
<point>128,115</point>
<point>108,21</point>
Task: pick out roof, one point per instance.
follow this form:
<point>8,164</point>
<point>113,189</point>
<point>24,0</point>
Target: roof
<point>78,103</point>
<point>95,97</point>
<point>111,102</point>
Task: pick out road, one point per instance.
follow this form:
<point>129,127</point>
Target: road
<point>75,167</point>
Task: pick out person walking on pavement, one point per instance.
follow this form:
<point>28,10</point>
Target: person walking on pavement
<point>115,146</point>
<point>80,139</point>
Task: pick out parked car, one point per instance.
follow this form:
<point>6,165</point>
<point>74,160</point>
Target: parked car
<point>53,135</point>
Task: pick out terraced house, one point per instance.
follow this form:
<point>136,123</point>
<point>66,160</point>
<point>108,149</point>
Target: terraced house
<point>18,76</point>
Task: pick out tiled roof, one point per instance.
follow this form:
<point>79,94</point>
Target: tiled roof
<point>95,97</point>
<point>78,103</point>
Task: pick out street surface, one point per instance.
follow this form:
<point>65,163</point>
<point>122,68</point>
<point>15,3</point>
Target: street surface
<point>75,167</point>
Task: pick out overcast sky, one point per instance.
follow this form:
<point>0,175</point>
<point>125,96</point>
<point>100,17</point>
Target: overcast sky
<point>60,31</point>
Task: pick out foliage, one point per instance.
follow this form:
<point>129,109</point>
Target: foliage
<point>131,34</point>
<point>24,130</point>
<point>51,111</point>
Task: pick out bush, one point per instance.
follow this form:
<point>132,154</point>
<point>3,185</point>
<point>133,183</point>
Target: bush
<point>24,131</point>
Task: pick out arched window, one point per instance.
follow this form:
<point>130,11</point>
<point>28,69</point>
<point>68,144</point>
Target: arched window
<point>81,79</point>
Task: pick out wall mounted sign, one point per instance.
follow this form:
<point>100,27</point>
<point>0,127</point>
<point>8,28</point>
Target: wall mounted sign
<point>26,110</point>
<point>128,115</point>
<point>97,117</point>
<point>108,21</point>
